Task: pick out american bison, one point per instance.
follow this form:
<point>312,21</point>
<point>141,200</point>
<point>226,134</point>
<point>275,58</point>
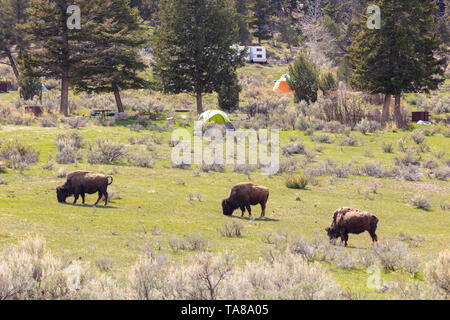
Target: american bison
<point>348,220</point>
<point>244,195</point>
<point>82,182</point>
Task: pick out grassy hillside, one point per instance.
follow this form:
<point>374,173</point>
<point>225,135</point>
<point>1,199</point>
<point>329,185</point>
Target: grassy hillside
<point>151,205</point>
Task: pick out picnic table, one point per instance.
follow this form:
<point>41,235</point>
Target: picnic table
<point>103,113</point>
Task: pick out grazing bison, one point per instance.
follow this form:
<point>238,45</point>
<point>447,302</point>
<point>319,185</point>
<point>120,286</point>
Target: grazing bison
<point>348,220</point>
<point>82,182</point>
<point>244,195</point>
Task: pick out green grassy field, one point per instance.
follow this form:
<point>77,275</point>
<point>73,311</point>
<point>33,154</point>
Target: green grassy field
<point>158,198</point>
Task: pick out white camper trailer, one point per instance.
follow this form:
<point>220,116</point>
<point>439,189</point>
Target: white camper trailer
<point>255,54</point>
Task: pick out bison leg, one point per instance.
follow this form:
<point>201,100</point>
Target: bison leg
<point>83,195</point>
<point>263,208</point>
<point>100,195</point>
<point>249,209</point>
<point>106,197</point>
<point>243,210</point>
<point>374,236</point>
<point>76,195</point>
<point>344,237</point>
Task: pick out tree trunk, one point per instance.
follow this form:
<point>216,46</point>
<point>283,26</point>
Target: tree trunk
<point>118,99</point>
<point>397,111</point>
<point>13,65</point>
<point>64,107</point>
<point>199,103</point>
<point>386,108</point>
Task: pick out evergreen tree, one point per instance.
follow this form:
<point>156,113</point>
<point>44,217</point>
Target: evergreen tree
<point>260,18</point>
<point>345,69</point>
<point>55,55</point>
<point>11,37</point>
<point>327,83</point>
<point>193,46</point>
<point>29,87</point>
<point>288,34</point>
<point>245,36</point>
<point>304,78</point>
<point>403,56</point>
<point>228,93</point>
<point>147,8</point>
<point>109,52</point>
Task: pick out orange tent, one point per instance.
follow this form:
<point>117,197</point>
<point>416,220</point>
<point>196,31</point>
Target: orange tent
<point>282,85</point>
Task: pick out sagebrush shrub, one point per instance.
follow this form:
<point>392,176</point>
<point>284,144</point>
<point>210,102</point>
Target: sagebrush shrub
<point>421,202</point>
<point>388,147</point>
<point>322,138</point>
<point>437,272</point>
<point>348,141</point>
<point>29,271</point>
<point>294,148</point>
<point>231,229</point>
<point>16,154</point>
<point>68,148</point>
<point>390,256</point>
<point>140,160</point>
<point>106,151</point>
<point>76,122</point>
<point>365,126</point>
<point>48,122</point>
<point>417,136</point>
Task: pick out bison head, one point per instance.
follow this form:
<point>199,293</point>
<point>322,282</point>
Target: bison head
<point>332,233</point>
<point>227,208</point>
<point>62,194</point>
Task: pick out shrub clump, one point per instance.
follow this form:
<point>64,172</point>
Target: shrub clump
<point>297,182</point>
<point>294,148</point>
<point>106,151</point>
<point>17,154</point>
<point>76,122</point>
<point>231,229</point>
<point>421,202</point>
<point>365,126</point>
<point>417,136</point>
<point>438,272</point>
<point>29,271</point>
<point>68,148</point>
<point>322,138</point>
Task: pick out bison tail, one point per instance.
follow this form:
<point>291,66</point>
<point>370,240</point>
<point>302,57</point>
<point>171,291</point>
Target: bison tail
<point>111,180</point>
<point>375,221</point>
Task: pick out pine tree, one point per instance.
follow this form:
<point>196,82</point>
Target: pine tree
<point>193,46</point>
<point>304,78</point>
<point>147,8</point>
<point>260,18</point>
<point>327,83</point>
<point>403,56</point>
<point>109,52</point>
<point>55,54</point>
<point>11,37</point>
<point>245,36</point>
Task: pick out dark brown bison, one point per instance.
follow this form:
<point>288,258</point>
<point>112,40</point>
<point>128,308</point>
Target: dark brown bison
<point>348,220</point>
<point>244,195</point>
<point>82,182</point>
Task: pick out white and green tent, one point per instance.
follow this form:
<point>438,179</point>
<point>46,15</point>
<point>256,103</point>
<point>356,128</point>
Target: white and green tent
<point>217,116</point>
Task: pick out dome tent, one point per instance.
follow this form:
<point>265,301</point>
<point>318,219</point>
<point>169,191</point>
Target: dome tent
<point>217,116</point>
<point>282,85</point>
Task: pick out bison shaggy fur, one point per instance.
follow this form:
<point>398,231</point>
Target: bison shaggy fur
<point>82,182</point>
<point>244,195</point>
<point>348,220</point>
